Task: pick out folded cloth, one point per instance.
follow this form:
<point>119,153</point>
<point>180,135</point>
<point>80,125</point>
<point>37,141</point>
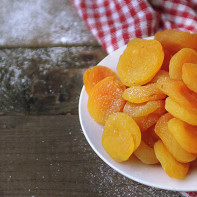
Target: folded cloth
<point>115,22</point>
<point>189,194</point>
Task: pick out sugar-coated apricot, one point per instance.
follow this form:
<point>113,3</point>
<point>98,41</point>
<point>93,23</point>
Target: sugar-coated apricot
<point>161,129</point>
<point>93,75</point>
<point>172,167</point>
<point>145,122</point>
<point>146,154</point>
<point>142,109</point>
<point>179,92</point>
<point>141,94</point>
<point>174,40</point>
<point>189,76</point>
<point>140,61</point>
<point>184,133</point>
<point>121,136</point>
<point>181,112</point>
<point>105,99</point>
<point>185,55</point>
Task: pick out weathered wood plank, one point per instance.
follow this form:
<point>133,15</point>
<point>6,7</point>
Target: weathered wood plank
<point>49,156</point>
<point>44,80</point>
<point>41,23</point>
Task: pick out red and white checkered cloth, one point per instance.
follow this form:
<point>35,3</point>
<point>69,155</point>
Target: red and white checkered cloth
<point>189,194</point>
<point>115,22</point>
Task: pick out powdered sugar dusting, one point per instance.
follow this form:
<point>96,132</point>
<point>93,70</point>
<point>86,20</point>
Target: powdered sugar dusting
<point>106,182</point>
<point>41,22</point>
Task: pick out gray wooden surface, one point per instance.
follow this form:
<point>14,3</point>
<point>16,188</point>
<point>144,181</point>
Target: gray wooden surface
<point>49,156</point>
<point>44,80</point>
<point>45,48</point>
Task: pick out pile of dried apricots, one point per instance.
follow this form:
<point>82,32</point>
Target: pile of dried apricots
<point>150,108</point>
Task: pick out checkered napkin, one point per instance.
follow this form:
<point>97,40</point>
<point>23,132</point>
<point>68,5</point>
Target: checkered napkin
<point>115,22</point>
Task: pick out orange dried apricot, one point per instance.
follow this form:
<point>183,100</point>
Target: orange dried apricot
<point>172,167</point>
<point>181,112</point>
<point>141,94</point>
<point>185,55</point>
<point>189,76</point>
<point>161,129</point>
<point>167,57</point>
<point>184,133</point>
<point>121,136</point>
<point>160,74</point>
<point>174,40</point>
<point>150,137</point>
<point>93,75</point>
<point>140,61</point>
<point>146,154</point>
<point>179,92</point>
<point>105,99</point>
<point>145,122</point>
<point>142,109</point>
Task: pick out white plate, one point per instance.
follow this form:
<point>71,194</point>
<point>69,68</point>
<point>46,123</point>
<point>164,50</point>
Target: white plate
<point>152,175</point>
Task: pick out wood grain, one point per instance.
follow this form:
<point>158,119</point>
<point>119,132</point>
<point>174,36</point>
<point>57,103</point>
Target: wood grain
<point>49,156</point>
<point>44,80</point>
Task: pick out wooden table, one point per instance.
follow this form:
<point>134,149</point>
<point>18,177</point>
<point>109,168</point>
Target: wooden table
<point>43,151</point>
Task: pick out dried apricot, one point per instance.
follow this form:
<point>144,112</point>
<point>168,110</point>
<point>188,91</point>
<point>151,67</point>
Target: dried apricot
<point>146,154</point>
<point>161,129</point>
<point>167,57</point>
<point>181,112</point>
<point>142,109</point>
<point>185,55</point>
<point>189,76</point>
<point>174,40</point>
<point>141,94</point>
<point>121,136</point>
<point>105,99</point>
<point>172,167</point>
<point>179,92</point>
<point>145,122</point>
<point>140,61</point>
<point>184,133</point>
<point>150,137</point>
<point>160,74</point>
<point>93,75</point>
